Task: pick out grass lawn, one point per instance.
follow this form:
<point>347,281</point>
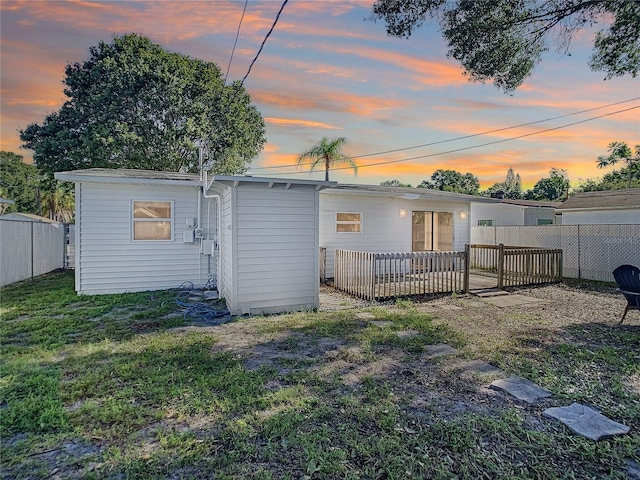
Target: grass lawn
<point>119,386</point>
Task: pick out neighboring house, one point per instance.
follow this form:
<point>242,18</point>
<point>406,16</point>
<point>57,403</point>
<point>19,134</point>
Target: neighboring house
<point>255,238</point>
<point>27,217</point>
<point>374,218</point>
<point>602,207</point>
<point>510,212</point>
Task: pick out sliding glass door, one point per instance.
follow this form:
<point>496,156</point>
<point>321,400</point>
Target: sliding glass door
<point>431,231</point>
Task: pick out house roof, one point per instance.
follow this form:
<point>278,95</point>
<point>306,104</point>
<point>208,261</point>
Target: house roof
<point>409,193</point>
<point>628,198</point>
<point>27,217</point>
<point>123,175</point>
<point>531,203</point>
<point>153,177</point>
<point>6,200</point>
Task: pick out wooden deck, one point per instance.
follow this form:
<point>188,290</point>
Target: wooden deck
<point>380,276</point>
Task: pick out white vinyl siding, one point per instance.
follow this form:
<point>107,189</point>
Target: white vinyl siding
<point>110,261</point>
<point>227,251</point>
<point>276,248</point>
<point>386,230</point>
<point>601,217</point>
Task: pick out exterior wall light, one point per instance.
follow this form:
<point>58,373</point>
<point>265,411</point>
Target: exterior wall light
<point>403,213</point>
<point>463,214</point>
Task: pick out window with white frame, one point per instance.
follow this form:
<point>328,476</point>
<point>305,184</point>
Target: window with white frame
<point>152,220</point>
<point>485,223</point>
<point>348,222</point>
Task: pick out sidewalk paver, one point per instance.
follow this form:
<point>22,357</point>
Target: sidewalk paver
<point>586,421</point>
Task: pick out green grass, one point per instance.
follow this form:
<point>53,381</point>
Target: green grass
<point>112,387</point>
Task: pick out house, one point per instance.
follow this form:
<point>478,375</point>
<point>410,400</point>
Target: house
<point>27,217</point>
<point>255,239</point>
<point>510,212</point>
<point>375,218</point>
<point>603,207</point>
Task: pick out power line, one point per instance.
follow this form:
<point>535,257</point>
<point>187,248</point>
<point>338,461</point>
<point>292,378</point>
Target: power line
<point>265,40</point>
<point>468,136</point>
<point>475,146</point>
<point>236,41</point>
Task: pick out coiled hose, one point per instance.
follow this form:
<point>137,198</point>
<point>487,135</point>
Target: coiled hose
<point>198,310</point>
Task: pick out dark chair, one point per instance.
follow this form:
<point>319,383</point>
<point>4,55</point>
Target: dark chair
<point>628,279</point>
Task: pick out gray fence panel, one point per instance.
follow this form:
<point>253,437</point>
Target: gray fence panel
<point>48,248</point>
<point>15,251</point>
<point>589,251</point>
<point>604,247</point>
<point>28,249</point>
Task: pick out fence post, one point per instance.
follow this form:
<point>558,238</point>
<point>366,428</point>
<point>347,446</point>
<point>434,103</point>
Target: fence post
<point>323,265</point>
<point>32,247</point>
<point>501,265</point>
<point>467,263</point>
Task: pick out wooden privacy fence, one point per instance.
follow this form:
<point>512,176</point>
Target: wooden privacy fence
<point>517,266</point>
<point>378,276</point>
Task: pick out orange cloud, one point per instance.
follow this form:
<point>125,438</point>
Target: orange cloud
<point>298,123</point>
<point>437,74</point>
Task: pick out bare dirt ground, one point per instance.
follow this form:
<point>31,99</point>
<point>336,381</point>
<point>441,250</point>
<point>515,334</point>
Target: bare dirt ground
<point>479,324</point>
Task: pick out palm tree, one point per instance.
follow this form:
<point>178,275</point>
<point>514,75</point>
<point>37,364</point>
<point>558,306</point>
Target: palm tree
<point>58,204</point>
<point>621,151</point>
<point>327,152</point>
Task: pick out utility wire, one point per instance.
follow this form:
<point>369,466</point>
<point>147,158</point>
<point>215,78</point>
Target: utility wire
<point>474,146</point>
<point>468,136</point>
<point>265,40</point>
<point>236,41</point>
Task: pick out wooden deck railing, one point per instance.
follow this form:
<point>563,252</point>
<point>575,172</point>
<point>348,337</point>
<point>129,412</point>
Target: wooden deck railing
<point>517,266</point>
<point>378,276</point>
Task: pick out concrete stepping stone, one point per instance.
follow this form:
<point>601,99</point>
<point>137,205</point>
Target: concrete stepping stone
<point>439,350</point>
<point>381,323</point>
<point>521,388</point>
<point>586,421</point>
<point>408,333</point>
<point>365,316</point>
<point>633,470</point>
<point>489,292</point>
<point>480,368</point>
<point>513,300</point>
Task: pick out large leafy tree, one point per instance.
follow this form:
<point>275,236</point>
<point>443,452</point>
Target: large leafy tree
<point>621,152</point>
<point>452,181</point>
<point>19,182</point>
<point>503,40</point>
<point>615,180</point>
<point>511,187</point>
<point>135,105</point>
<point>327,153</point>
<point>554,187</point>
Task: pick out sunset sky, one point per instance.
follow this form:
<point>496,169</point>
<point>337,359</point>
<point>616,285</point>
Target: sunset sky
<point>327,71</point>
